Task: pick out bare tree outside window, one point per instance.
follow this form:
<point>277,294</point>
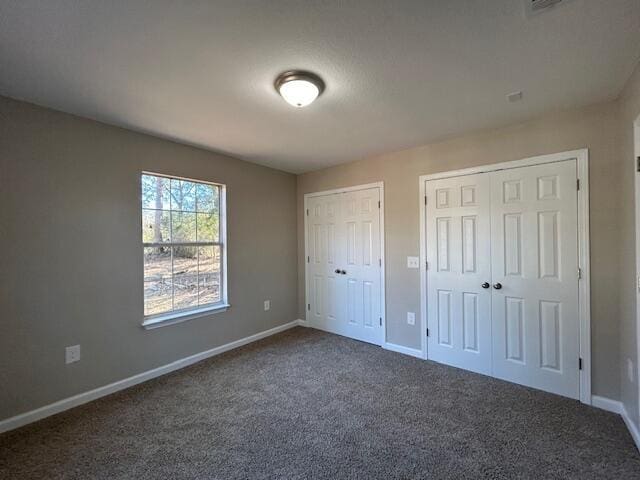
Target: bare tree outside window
<point>182,244</point>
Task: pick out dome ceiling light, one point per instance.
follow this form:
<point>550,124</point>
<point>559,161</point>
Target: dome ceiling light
<point>299,88</point>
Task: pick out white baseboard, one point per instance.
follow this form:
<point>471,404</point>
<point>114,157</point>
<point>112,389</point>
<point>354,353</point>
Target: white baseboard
<point>70,402</point>
<point>633,428</point>
<point>607,404</point>
<point>616,406</point>
<point>414,352</point>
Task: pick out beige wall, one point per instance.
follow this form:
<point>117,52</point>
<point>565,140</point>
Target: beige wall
<point>629,104</point>
<point>71,262</point>
<point>594,127</point>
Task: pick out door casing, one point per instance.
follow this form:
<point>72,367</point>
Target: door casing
<point>380,187</point>
<point>584,284</point>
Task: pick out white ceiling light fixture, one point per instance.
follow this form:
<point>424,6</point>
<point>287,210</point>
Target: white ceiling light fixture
<point>299,88</point>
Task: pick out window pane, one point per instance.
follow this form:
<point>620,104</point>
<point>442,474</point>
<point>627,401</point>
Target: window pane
<point>157,280</point>
<point>208,227</point>
<point>206,197</point>
<point>155,226</point>
<point>185,277</point>
<point>183,195</point>
<point>209,278</point>
<point>157,264</point>
<point>183,227</point>
<point>155,192</point>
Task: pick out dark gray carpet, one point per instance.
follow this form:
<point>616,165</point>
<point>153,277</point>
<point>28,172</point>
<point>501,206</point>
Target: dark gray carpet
<point>307,405</point>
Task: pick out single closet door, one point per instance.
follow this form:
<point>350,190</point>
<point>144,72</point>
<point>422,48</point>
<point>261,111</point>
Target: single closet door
<point>534,257</point>
<point>459,272</point>
<point>344,264</point>
<point>326,300</point>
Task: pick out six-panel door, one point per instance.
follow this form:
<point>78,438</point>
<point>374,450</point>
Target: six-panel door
<point>326,307</point>
<point>344,264</point>
<point>534,256</point>
<point>458,257</point>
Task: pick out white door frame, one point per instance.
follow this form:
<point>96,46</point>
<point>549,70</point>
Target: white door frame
<point>383,304</point>
<point>636,164</point>
<point>584,284</point>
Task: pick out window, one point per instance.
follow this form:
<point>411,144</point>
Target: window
<point>183,235</point>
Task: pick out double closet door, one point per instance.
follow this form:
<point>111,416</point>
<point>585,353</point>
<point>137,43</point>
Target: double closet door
<point>344,264</point>
<point>502,275</point>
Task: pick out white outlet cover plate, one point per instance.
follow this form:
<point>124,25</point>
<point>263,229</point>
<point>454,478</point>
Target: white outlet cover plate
<point>267,305</point>
<point>72,354</point>
<point>411,318</point>
<point>413,262</point>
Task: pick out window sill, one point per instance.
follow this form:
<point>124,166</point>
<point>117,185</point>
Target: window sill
<point>179,317</point>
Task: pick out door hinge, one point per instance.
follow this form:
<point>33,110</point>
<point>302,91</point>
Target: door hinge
<point>578,183</point>
<point>307,212</point>
<point>380,321</point>
<point>579,364</point>
<point>638,164</point>
<point>579,273</point>
<point>308,306</point>
<point>425,199</point>
<point>380,261</point>
<point>427,332</point>
<point>308,258</point>
<point>378,203</point>
<point>426,265</point>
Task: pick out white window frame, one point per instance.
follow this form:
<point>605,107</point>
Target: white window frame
<point>182,315</point>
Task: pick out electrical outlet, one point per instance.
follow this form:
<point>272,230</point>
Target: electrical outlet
<point>411,318</point>
<point>267,305</point>
<point>413,262</point>
<point>72,354</point>
<point>630,370</point>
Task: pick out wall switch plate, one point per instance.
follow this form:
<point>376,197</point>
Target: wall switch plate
<point>72,354</point>
<point>630,370</point>
<point>267,305</point>
<point>413,262</point>
<point>411,318</point>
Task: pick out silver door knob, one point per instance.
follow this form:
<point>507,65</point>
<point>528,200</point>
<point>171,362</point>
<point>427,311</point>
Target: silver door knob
<point>497,286</point>
<point>343,272</point>
<point>485,285</point>
<point>337,270</point>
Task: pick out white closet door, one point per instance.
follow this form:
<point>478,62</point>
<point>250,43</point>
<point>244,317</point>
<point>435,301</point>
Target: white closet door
<point>534,256</point>
<point>325,291</point>
<point>361,266</point>
<point>459,272</point>
<point>345,272</point>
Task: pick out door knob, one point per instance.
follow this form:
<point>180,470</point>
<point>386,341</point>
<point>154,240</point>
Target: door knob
<point>337,270</point>
<point>343,272</point>
<point>485,285</point>
<point>497,286</point>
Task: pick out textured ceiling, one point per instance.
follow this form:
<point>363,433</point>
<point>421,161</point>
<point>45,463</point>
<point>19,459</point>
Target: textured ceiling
<point>398,73</point>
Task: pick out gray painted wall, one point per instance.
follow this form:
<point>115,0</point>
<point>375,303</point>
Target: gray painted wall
<point>71,258</point>
<point>629,104</point>
<point>594,127</point>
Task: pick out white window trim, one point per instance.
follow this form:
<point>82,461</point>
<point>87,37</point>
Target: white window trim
<point>178,316</point>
